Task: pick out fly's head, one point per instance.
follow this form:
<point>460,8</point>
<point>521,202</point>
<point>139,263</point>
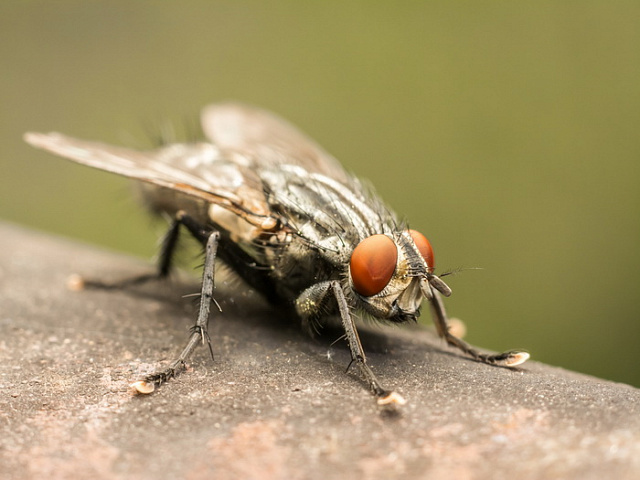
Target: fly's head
<point>392,274</point>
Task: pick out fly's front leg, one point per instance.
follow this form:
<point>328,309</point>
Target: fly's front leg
<point>510,358</point>
<point>312,301</point>
<point>199,332</point>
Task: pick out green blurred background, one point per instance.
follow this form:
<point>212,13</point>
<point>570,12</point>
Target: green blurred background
<point>506,131</point>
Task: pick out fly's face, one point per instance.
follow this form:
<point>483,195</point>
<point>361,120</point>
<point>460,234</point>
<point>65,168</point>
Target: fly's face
<point>392,274</point>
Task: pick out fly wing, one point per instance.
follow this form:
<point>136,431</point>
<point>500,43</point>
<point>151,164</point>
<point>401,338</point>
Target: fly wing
<point>266,139</point>
<point>198,170</point>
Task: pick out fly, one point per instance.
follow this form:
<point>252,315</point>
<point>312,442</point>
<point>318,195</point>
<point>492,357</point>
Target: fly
<point>266,200</point>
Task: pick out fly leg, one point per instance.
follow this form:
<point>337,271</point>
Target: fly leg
<point>312,301</point>
<point>167,250</point>
<point>510,358</point>
<point>198,332</point>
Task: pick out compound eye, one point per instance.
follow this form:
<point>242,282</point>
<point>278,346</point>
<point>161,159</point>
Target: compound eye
<point>372,265</point>
<point>424,247</point>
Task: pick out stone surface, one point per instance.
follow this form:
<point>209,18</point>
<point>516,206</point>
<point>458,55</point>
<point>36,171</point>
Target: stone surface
<point>275,404</point>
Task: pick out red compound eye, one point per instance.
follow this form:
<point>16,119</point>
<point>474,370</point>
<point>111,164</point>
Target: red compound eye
<point>373,262</point>
<point>424,247</point>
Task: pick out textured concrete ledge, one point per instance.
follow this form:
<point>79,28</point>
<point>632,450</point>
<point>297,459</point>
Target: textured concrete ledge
<point>275,404</point>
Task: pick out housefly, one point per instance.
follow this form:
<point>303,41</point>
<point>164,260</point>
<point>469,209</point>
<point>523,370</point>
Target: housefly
<point>286,217</point>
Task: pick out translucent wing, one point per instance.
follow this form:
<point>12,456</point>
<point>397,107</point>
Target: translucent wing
<point>198,170</point>
<point>266,139</point>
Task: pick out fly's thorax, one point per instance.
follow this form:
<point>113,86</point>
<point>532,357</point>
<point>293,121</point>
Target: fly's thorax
<point>385,273</point>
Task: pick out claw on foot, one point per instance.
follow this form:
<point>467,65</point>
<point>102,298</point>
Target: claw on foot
<point>75,283</point>
<point>391,399</point>
<point>143,388</point>
<point>516,358</point>
<point>511,358</point>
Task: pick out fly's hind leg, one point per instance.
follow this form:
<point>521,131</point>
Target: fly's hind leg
<point>313,301</point>
<point>198,333</point>
<point>167,251</point>
<point>509,358</point>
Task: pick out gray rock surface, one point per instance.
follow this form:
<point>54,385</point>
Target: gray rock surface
<point>275,404</point>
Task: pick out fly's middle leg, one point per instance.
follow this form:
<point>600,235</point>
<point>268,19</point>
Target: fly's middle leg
<point>312,302</point>
<point>199,332</point>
